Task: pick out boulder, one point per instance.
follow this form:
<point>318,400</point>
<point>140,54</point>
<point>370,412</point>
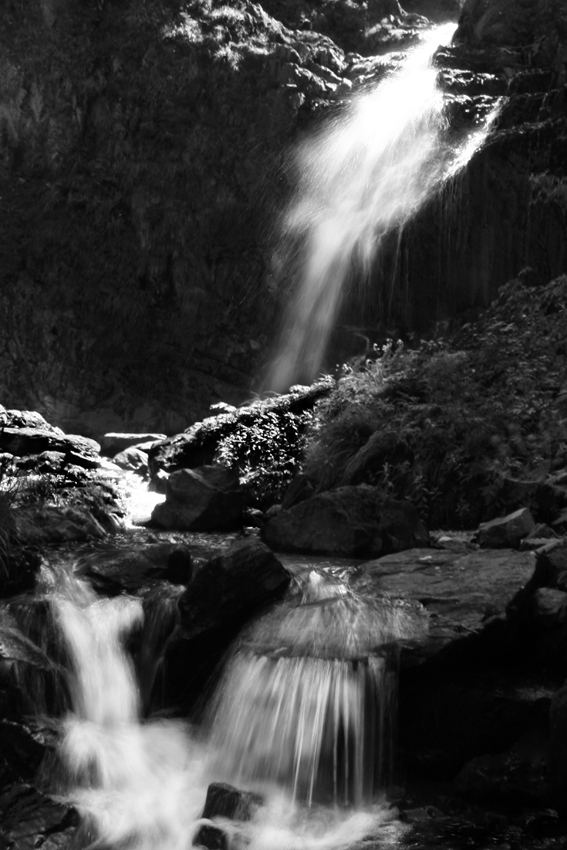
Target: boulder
<point>37,526</point>
<point>223,594</point>
<point>226,801</point>
<point>204,499</point>
<point>197,445</point>
<point>352,521</point>
<point>506,532</point>
<point>114,570</point>
<point>28,441</point>
<point>133,459</point>
<point>461,591</point>
<point>113,442</point>
<point>212,837</point>
<point>231,586</point>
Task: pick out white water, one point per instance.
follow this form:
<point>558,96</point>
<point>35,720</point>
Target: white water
<point>308,701</point>
<point>143,785</point>
<point>359,181</point>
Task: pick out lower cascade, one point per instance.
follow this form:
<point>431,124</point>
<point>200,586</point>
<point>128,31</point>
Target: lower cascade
<point>304,716</point>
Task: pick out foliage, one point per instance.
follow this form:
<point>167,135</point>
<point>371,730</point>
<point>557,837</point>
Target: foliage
<point>451,423</point>
<point>266,452</point>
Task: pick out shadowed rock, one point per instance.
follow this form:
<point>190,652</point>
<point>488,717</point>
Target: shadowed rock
<point>348,521</point>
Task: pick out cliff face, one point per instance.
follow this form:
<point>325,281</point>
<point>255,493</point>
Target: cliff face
<point>138,156</point>
<point>142,167</point>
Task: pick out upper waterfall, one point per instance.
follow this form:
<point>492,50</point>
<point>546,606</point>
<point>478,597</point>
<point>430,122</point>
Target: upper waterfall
<point>361,178</point>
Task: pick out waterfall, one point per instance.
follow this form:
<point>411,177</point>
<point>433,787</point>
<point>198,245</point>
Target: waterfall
<point>306,720</point>
<point>135,784</point>
<point>308,701</point>
<point>359,181</point>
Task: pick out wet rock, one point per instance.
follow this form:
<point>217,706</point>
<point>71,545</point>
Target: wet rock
<point>203,499</point>
<point>224,593</point>
<point>231,586</point>
<point>226,801</point>
<point>462,592</point>
<point>134,459</point>
<point>506,532</point>
<point>114,570</point>
<point>25,747</point>
<point>31,819</point>
<point>212,837</point>
<point>349,521</point>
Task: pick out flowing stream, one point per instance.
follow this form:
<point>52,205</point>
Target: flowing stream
<point>360,180</point>
<point>304,716</point>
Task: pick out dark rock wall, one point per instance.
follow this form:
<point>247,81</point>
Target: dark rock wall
<point>138,175</point>
<point>142,151</point>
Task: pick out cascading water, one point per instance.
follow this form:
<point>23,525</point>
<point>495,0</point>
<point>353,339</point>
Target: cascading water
<point>303,716</point>
<point>358,182</point>
<point>308,700</point>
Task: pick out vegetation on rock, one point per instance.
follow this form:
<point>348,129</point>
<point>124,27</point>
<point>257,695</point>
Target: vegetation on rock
<point>466,427</point>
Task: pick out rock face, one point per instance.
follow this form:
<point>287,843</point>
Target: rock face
<point>514,23</point>
<point>348,521</point>
<point>204,499</point>
<point>117,126</point>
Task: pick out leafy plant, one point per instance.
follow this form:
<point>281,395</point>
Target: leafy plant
<point>266,452</point>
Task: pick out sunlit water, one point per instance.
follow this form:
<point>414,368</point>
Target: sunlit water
<point>316,757</point>
<point>358,182</point>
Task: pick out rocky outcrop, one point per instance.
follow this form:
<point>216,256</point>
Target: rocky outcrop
<point>348,521</point>
<point>487,673</point>
<point>57,489</point>
<point>199,443</point>
<point>461,591</point>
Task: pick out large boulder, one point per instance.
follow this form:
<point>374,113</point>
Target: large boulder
<point>114,442</point>
<point>198,444</point>
<point>461,591</point>
<point>353,521</point>
<point>115,570</point>
<point>506,532</point>
<point>463,693</point>
<point>223,595</point>
<point>204,499</point>
<point>233,585</point>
